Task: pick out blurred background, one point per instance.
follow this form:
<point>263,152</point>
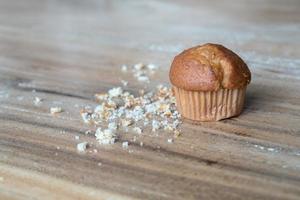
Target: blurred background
<point>96,35</point>
<point>78,47</point>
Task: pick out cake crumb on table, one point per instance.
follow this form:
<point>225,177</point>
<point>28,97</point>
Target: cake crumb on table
<point>115,92</point>
<point>176,133</point>
<point>120,111</point>
<point>126,122</point>
<point>81,147</point>
<point>155,125</point>
<point>125,145</point>
<point>137,130</point>
<point>124,68</point>
<point>152,66</point>
<point>139,66</point>
<point>105,137</point>
<point>143,78</point>
<point>37,101</point>
<point>134,139</point>
<point>55,110</point>
<point>86,116</point>
<point>113,126</point>
<point>124,83</point>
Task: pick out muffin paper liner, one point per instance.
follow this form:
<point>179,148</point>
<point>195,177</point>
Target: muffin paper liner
<point>210,105</point>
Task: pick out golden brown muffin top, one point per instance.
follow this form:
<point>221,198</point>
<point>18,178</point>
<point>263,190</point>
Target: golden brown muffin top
<point>209,67</point>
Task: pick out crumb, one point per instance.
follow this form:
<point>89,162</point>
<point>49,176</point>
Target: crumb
<point>141,144</point>
<point>270,149</point>
<point>125,145</point>
<point>137,130</point>
<point>115,92</point>
<point>87,132</point>
<point>99,164</point>
<point>124,83</point>
<point>99,108</point>
<point>126,122</point>
<point>37,101</point>
<point>143,78</point>
<point>54,110</point>
<point>134,139</point>
<point>81,147</point>
<point>259,146</point>
<point>168,127</point>
<point>105,137</point>
<point>130,151</point>
<point>124,68</point>
<point>58,148</point>
<point>76,137</point>
<point>141,92</point>
<point>101,96</point>
<point>155,125</point>
<point>152,66</point>
<point>176,133</point>
<point>113,126</point>
<point>86,116</point>
<point>170,140</point>
<point>139,66</point>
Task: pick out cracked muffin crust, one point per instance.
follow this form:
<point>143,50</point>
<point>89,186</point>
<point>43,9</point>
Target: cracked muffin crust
<point>209,67</point>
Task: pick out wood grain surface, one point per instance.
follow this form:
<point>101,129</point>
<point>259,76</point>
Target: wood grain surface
<point>66,51</point>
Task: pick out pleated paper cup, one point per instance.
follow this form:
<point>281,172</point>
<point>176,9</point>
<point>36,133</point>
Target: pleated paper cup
<point>211,105</point>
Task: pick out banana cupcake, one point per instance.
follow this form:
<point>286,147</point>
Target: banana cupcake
<point>209,82</point>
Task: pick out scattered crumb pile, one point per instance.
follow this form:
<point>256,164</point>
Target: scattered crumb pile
<point>122,111</point>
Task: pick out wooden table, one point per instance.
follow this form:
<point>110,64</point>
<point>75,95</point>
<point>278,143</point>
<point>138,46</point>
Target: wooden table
<point>66,51</point>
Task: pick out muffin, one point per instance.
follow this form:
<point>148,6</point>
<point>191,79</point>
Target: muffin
<point>209,82</point>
